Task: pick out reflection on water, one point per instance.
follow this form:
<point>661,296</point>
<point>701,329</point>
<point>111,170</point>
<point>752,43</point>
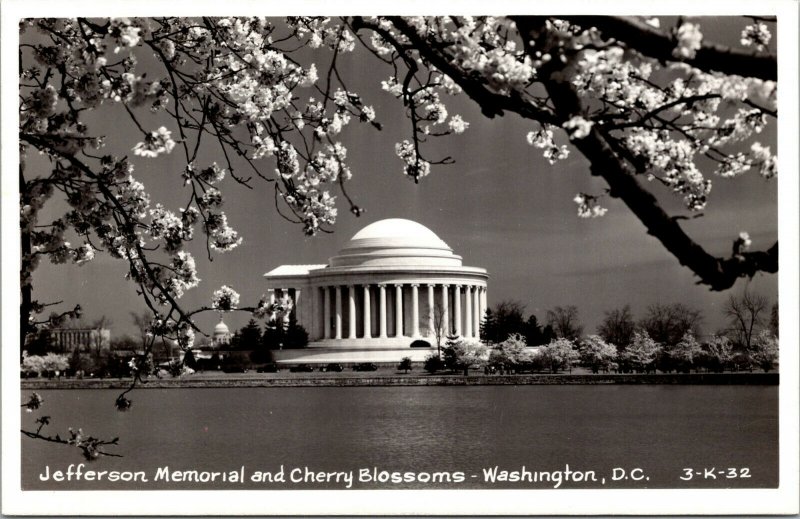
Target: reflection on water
<point>661,429</point>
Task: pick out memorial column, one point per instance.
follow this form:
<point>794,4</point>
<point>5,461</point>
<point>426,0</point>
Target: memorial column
<point>367,318</point>
<point>445,323</point>
<point>326,312</point>
<point>382,298</point>
<point>415,310</point>
<point>457,309</point>
<point>398,311</point>
<point>476,301</point>
<point>468,304</point>
<point>430,311</point>
<point>338,312</point>
<point>351,325</point>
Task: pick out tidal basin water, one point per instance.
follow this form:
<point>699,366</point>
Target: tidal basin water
<point>660,429</point>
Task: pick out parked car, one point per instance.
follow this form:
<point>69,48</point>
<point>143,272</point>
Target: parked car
<point>365,366</point>
<point>333,366</point>
<point>301,368</point>
<point>268,368</point>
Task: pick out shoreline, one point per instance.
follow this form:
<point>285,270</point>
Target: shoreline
<point>771,379</point>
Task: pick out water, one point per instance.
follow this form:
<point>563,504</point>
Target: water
<point>659,429</point>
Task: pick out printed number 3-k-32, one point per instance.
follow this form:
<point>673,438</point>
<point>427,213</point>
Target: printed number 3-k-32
<point>714,473</point>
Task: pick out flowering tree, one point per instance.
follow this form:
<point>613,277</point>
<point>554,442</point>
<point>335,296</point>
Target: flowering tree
<point>684,354</point>
<point>597,353</point>
<point>465,354</point>
<point>642,351</point>
<point>644,105</point>
<point>510,353</point>
<point>719,352</point>
<point>765,350</point>
<point>559,354</point>
<point>50,363</point>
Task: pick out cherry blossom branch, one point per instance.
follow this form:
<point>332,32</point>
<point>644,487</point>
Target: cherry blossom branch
<point>44,145</point>
<point>717,273</point>
<point>88,446</point>
<point>492,104</point>
<point>655,43</point>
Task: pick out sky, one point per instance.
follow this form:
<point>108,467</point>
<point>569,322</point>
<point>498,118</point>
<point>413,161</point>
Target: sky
<point>501,206</point>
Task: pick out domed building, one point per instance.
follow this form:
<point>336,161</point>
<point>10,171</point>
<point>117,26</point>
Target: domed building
<point>222,335</point>
<point>388,293</point>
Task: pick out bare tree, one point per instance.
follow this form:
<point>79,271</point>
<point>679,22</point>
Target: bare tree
<point>618,326</point>
<point>667,324</point>
<point>440,326</point>
<point>143,322</point>
<point>564,321</point>
<point>746,314</point>
<point>103,323</point>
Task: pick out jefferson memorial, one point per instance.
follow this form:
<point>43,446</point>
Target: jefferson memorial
<point>394,284</point>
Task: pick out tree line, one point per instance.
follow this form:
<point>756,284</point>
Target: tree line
<point>667,338</point>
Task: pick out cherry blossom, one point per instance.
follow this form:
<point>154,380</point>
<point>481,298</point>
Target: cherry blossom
<point>756,35</point>
<point>588,206</point>
<point>155,143</point>
<point>578,127</point>
<point>184,274</point>
<point>84,254</point>
<point>225,299</point>
<point>544,139</point>
<point>689,38</point>
<point>457,124</point>
<point>415,167</point>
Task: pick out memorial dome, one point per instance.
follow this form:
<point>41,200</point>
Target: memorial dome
<point>376,300</point>
<point>395,241</point>
<point>221,329</point>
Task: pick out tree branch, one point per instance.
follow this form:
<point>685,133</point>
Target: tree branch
<point>492,104</point>
<point>717,273</point>
<point>89,447</point>
<point>659,45</point>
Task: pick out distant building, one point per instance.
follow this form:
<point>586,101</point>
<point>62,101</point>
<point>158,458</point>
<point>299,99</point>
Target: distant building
<point>66,340</point>
<point>222,335</point>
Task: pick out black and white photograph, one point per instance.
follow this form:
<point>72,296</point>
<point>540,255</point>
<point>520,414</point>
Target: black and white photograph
<point>352,263</point>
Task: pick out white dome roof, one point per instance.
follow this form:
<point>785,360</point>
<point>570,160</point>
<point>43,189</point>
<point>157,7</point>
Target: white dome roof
<point>395,241</point>
<point>221,328</point>
<point>396,231</point>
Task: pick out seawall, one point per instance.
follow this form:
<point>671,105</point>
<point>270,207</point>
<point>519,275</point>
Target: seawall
<point>411,380</point>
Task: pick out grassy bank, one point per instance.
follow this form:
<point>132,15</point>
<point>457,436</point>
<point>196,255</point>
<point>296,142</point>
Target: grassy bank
<point>366,379</point>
